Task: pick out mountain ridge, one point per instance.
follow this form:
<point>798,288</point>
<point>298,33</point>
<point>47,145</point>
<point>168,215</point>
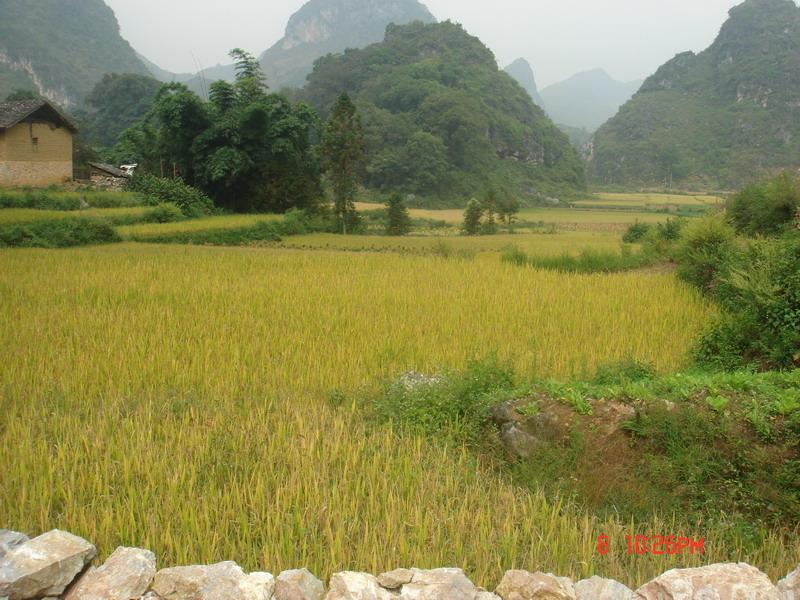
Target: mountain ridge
<point>522,71</point>
<point>718,118</point>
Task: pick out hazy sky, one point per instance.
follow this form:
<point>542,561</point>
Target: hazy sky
<point>628,38</point>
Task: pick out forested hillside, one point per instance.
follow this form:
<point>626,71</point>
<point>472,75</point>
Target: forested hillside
<point>61,49</point>
<point>719,118</point>
<point>442,120</point>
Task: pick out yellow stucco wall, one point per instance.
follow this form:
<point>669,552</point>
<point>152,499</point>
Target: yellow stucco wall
<point>35,154</point>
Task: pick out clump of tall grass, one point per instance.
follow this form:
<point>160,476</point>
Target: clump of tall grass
<point>588,260</point>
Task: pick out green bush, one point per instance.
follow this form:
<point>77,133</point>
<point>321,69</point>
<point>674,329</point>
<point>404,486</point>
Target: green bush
<point>636,232</point>
<point>456,404</point>
<point>191,201</point>
<point>705,252</point>
<point>60,233</point>
<point>761,298</point>
<point>766,209</point>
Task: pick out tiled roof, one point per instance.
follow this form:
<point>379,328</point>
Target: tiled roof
<point>12,113</point>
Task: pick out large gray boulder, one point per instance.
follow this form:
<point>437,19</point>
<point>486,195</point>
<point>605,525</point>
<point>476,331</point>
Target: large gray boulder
<point>222,581</point>
<point>728,581</point>
<point>597,588</point>
<point>522,585</point>
<point>298,584</point>
<point>126,574</point>
<point>43,566</point>
<point>356,586</point>
<point>789,586</point>
<point>10,540</point>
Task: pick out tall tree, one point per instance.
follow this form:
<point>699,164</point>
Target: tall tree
<point>472,218</point>
<point>398,221</point>
<point>343,150</point>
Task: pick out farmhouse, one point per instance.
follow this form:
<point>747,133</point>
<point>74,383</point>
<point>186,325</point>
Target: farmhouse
<point>35,144</point>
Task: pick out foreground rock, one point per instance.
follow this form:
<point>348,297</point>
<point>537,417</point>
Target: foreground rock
<point>522,585</point>
<point>222,581</point>
<point>126,574</point>
<point>729,581</point>
<point>789,587</point>
<point>43,566</point>
<point>356,586</point>
<point>10,540</point>
<point>597,588</point>
<point>298,584</point>
<point>442,584</point>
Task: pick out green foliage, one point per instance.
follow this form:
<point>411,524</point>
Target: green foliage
<point>455,405</point>
<point>343,153</point>
<point>117,103</point>
<point>60,233</point>
<point>589,260</point>
<point>705,252</point>
<point>766,209</point>
<point>191,201</point>
<point>636,232</point>
<point>56,200</point>
<point>397,220</point>
<point>441,120</point>
<point>472,218</point>
<point>761,297</point>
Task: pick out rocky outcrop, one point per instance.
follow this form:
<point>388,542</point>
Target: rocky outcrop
<point>530,424</point>
<point>54,565</point>
<point>724,581</point>
<point>43,566</point>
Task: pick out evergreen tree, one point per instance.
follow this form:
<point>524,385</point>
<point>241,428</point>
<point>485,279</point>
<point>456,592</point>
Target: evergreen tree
<point>472,218</point>
<point>399,223</point>
<point>489,206</point>
<point>344,154</point>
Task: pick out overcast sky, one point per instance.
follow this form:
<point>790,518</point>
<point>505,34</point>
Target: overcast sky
<point>628,38</point>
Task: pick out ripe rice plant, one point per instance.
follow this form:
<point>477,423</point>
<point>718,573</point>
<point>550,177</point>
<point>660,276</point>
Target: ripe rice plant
<point>176,398</point>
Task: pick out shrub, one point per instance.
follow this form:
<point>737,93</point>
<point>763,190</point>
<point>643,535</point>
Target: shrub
<point>761,325</point>
<point>60,233</point>
<point>705,252</point>
<point>636,232</point>
<point>766,209</point>
<point>191,201</point>
<point>457,404</point>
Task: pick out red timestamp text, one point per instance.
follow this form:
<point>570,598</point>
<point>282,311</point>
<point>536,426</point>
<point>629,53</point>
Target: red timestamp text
<point>656,545</point>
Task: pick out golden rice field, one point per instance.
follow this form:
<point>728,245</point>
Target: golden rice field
<point>176,398</point>
<point>649,201</point>
<point>145,230</point>
<point>558,216</point>
<point>542,244</point>
<point>29,215</point>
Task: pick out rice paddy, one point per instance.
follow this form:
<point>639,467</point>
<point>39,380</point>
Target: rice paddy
<point>30,215</point>
<point>145,230</point>
<point>179,398</point>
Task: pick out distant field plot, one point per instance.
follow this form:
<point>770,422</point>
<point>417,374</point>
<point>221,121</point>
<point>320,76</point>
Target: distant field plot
<point>153,230</point>
<point>9,216</point>
<point>538,244</point>
<point>662,202</point>
<point>575,218</point>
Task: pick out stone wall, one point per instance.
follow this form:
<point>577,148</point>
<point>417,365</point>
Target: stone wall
<point>58,565</point>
